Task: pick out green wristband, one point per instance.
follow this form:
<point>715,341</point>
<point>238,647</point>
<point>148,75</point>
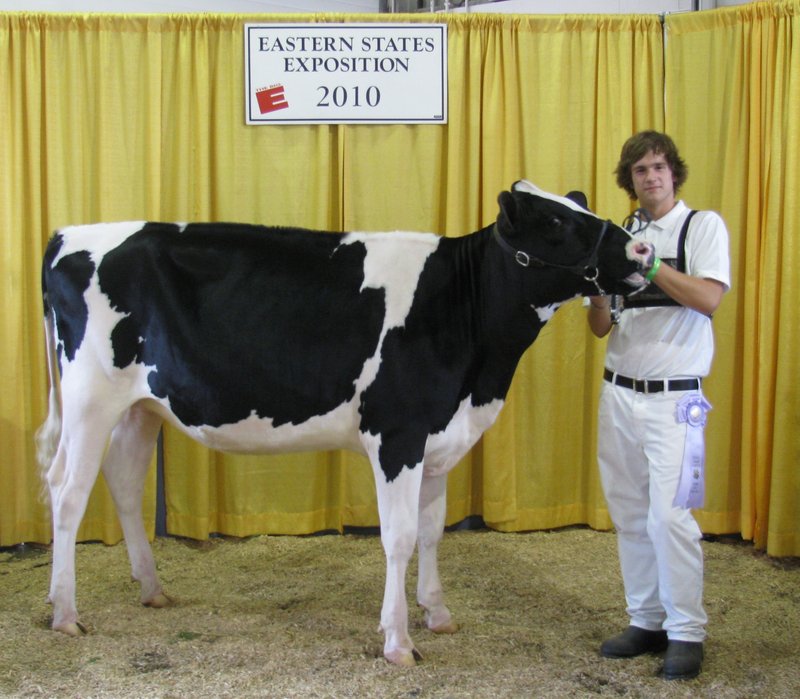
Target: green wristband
<point>653,270</point>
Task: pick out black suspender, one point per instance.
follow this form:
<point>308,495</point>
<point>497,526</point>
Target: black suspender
<point>682,243</point>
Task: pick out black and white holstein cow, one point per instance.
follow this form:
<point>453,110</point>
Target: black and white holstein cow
<point>400,346</point>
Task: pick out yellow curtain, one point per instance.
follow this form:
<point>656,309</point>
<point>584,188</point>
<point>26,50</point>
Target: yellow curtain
<point>112,117</point>
<point>741,128</point>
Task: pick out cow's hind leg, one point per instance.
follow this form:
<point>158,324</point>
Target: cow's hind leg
<point>398,506</point>
<point>432,508</point>
<point>70,480</point>
<point>125,468</point>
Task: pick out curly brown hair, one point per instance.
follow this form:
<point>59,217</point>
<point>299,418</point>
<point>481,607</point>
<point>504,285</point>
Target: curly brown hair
<point>638,146</point>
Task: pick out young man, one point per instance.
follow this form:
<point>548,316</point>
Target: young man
<point>652,410</point>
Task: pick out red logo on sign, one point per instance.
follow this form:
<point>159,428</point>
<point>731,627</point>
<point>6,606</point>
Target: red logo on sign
<point>271,99</point>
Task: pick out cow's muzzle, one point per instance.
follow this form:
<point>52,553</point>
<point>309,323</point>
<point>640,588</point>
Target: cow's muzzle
<point>642,253</point>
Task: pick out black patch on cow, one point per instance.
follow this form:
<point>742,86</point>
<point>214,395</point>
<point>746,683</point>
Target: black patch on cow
<point>63,287</point>
<point>126,343</point>
<point>239,319</point>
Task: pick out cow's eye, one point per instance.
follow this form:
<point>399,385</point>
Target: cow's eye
<point>555,222</point>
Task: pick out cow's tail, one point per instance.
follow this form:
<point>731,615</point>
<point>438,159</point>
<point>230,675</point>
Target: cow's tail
<point>48,435</point>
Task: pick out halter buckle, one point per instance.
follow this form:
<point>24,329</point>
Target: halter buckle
<point>591,273</point>
<point>523,258</point>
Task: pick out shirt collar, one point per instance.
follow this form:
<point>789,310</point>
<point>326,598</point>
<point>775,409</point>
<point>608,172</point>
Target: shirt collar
<point>671,218</point>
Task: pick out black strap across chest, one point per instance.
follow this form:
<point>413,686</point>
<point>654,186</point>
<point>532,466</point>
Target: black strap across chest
<point>652,295</point>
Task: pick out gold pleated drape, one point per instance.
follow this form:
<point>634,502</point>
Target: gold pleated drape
<point>109,117</point>
<point>733,96</point>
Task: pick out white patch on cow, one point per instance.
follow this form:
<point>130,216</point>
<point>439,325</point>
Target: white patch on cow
<point>394,262</point>
<point>525,186</point>
<point>444,449</point>
<point>337,429</point>
<point>99,326</point>
<point>545,313</point>
<point>98,239</point>
<point>371,446</point>
<point>370,369</point>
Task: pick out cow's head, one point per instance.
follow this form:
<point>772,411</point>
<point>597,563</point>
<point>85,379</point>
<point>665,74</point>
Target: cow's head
<point>591,256</point>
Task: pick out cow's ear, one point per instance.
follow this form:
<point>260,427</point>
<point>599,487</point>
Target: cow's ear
<point>579,198</point>
<point>508,213</point>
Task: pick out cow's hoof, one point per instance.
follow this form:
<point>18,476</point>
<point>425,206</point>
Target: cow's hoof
<point>73,629</point>
<point>439,620</point>
<point>159,601</point>
<point>403,658</point>
<point>447,627</point>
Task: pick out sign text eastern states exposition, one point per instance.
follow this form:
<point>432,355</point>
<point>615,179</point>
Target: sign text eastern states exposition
<point>344,73</point>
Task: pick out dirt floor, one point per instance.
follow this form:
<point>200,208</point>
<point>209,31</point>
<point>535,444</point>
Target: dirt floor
<point>297,617</point>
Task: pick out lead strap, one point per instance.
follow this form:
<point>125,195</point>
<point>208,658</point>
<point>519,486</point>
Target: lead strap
<point>692,409</point>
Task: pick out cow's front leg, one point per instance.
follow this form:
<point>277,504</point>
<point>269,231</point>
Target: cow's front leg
<point>398,506</point>
<point>432,509</point>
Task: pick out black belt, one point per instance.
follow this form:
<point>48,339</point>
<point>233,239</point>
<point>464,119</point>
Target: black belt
<point>652,386</point>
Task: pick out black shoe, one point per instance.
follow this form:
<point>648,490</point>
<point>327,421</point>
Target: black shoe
<point>634,641</point>
<point>683,660</point>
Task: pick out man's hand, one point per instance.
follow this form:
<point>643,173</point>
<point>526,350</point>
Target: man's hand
<point>600,315</point>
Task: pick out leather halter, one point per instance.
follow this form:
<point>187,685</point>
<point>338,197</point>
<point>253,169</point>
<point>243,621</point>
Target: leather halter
<point>586,268</point>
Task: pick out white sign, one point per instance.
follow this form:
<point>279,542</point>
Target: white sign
<point>346,73</point>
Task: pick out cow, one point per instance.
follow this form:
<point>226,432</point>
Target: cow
<point>399,346</point>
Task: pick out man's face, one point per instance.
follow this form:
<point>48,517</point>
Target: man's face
<point>654,184</point>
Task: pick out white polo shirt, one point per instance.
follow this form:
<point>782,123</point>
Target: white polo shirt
<point>673,341</point>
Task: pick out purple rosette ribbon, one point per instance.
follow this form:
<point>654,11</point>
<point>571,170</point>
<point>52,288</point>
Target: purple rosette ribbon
<point>692,410</point>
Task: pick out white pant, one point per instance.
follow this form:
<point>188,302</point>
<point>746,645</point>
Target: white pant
<point>640,452</point>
